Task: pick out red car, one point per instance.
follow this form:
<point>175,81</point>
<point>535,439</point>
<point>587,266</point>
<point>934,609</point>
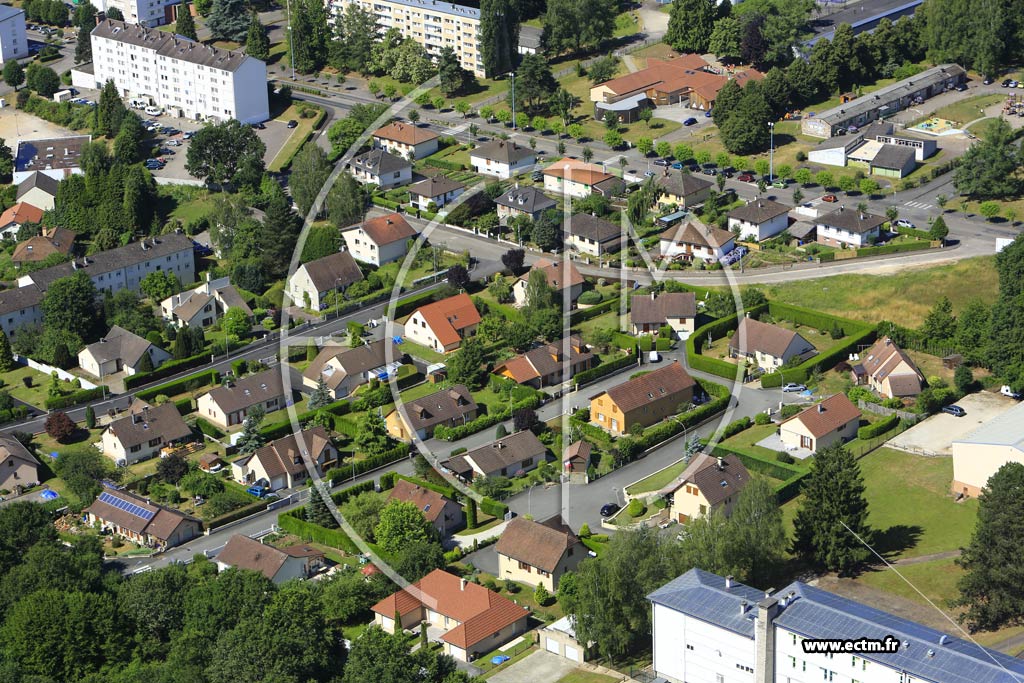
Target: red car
<point>829,198</point>
<point>745,178</point>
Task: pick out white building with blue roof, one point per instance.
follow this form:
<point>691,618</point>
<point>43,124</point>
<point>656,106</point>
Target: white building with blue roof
<point>710,629</point>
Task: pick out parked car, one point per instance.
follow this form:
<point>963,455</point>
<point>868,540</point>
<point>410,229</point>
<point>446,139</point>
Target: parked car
<point>166,151</point>
<point>653,357</point>
<point>609,509</point>
<point>745,178</point>
<point>1007,390</point>
<point>1006,83</point>
<point>677,166</point>
<point>694,168</point>
<point>904,223</point>
<point>258,126</point>
<point>257,491</point>
<point>649,174</point>
<point>174,143</point>
<point>690,122</point>
<point>987,81</point>
<point>954,410</point>
<point>188,135</point>
<point>780,185</point>
<point>293,123</point>
<point>707,114</point>
<point>793,386</point>
<point>961,88</point>
<point>830,198</point>
<point>537,176</point>
<point>661,162</point>
<point>154,111</point>
<point>709,170</point>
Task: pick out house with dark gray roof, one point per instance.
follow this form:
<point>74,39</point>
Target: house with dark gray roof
<point>20,307</point>
<point>707,484</point>
<point>120,351</point>
<point>506,457</point>
<point>421,416</point>
<point>591,235</point>
<point>141,521</point>
<point>144,433</point>
<point>849,228</point>
<point>683,190</point>
<point>523,201</point>
<point>648,313</point>
<point>894,161</point>
<point>705,622</point>
<point>283,463</point>
<point>759,219</point>
<point>277,564</point>
<point>643,400</point>
<point>18,468</point>
<point>439,191</point>
<point>54,157</point>
<point>204,305</point>
<point>343,369</point>
<point>312,282</point>
<point>38,189</point>
<point>502,158</point>
<point>381,168</point>
<point>769,347</point>
<point>228,405</point>
<point>538,554</point>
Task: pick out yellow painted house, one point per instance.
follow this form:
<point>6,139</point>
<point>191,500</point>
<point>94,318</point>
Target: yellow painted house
<point>707,484</point>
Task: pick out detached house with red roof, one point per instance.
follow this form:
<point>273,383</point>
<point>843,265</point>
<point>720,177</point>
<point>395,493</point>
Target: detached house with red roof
<point>538,554</point>
<point>645,400</point>
<point>475,620</point>
<point>379,240</point>
<point>18,215</point>
<point>403,139</point>
<point>580,180</point>
<point>833,420</point>
<point>888,370</point>
<point>562,276</point>
<point>443,325</point>
<point>444,513</point>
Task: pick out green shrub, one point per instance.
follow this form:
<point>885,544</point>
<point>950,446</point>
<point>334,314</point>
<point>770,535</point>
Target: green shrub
<point>762,419</point>
<point>736,426</point>
<point>511,586</point>
<point>635,508</point>
<point>491,507</point>
<point>589,298</point>
<point>789,411</point>
<point>878,428</point>
<point>784,457</point>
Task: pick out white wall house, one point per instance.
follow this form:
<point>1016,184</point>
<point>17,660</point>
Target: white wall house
<point>311,282</point>
<point>502,159</point>
<point>13,43</point>
<point>849,228</point>
<point>379,240</point>
<point>439,191</point>
<point>186,78</point>
<point>145,12</point>
<point>759,219</point>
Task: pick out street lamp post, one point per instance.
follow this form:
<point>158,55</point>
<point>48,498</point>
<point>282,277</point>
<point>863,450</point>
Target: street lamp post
<point>771,152</point>
<point>291,43</point>
<point>512,76</point>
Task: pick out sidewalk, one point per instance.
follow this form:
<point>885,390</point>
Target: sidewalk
<point>466,541</point>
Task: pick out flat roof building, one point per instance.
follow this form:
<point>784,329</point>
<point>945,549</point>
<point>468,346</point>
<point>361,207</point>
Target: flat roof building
<point>54,157</point>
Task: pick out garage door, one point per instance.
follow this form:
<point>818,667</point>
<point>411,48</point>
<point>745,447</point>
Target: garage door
<point>573,654</point>
<point>552,645</point>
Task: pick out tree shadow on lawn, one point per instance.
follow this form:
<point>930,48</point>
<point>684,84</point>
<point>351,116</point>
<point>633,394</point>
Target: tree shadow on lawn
<point>896,539</point>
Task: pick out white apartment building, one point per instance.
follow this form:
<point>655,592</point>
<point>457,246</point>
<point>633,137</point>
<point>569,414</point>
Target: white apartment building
<point>434,24</point>
<point>144,12</point>
<point>186,78</point>
<point>710,629</point>
<point>13,43</point>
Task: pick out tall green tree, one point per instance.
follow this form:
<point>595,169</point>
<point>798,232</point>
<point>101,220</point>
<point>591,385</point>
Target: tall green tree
<point>310,170</point>
<point>939,324</point>
<point>355,33</point>
<point>225,152</point>
<point>992,570</point>
<point>402,523</point>
<point>6,355</point>
<point>229,20</point>
<point>725,39</point>
<point>576,25</point>
<point>372,437</point>
<point>498,36</point>
<point>110,112</point>
<point>534,83</point>
<point>83,45</point>
<point>251,439</point>
<point>453,78</point>
<point>833,511</point>
<point>690,25</point>
<point>317,511</point>
<point>989,169</point>
<point>70,305</point>
<point>466,366</point>
<point>14,74</point>
<point>185,25</point>
<point>1006,348</point>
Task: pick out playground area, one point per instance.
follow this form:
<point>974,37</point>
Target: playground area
<point>937,126</point>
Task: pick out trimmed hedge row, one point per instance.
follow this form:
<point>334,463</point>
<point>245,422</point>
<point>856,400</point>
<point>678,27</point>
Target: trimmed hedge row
<point>893,248</point>
<point>373,462</point>
<point>877,429</point>
<point>179,386</point>
<point>663,344</point>
<point>278,429</point>
<point>166,370</point>
<point>209,428</point>
<point>184,406</point>
<point>409,304</point>
<point>491,507</point>
<point>591,312</point>
<point>335,538</point>
<point>446,491</point>
<point>604,369</point>
<point>484,421</point>
<point>73,399</point>
<point>386,203</point>
<point>341,497</point>
<point>770,468</point>
<point>237,514</point>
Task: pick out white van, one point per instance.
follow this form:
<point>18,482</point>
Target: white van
<point>138,104</point>
<point>653,357</point>
<point>1007,390</point>
<point>154,111</point>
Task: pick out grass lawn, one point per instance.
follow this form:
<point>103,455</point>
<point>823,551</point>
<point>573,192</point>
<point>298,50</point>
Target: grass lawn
<point>35,395</point>
<point>581,676</point>
<point>746,442</point>
<point>906,296</point>
<point>295,140</point>
<point>422,352</point>
<point>658,479</point>
<point>455,154</point>
<point>609,320</point>
<point>911,494</point>
<point>657,50</point>
<point>965,111</point>
<point>937,580</point>
<point>626,24</point>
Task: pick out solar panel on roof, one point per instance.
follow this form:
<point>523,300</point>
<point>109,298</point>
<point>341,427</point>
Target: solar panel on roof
<point>127,506</point>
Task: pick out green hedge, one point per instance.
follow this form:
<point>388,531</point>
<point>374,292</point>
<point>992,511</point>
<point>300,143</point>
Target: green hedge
<point>790,488</point>
<point>167,369</point>
<point>645,343</point>
<point>73,399</point>
<point>769,468</point>
<point>208,428</point>
<point>237,514</point>
<point>604,369</point>
<point>180,386</point>
<point>773,380</point>
<point>373,462</point>
<point>877,429</point>
<point>893,249</point>
<point>278,429</point>
<point>335,538</point>
<point>409,304</point>
<point>582,314</point>
<point>184,406</point>
<point>341,497</point>
<point>491,507</point>
<point>624,341</point>
<point>826,256</point>
<point>446,491</point>
<point>386,203</point>
<point>444,164</point>
<point>663,344</point>
<point>484,421</point>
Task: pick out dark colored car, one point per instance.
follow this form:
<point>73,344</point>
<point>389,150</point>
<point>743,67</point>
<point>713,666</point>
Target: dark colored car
<point>955,411</point>
<point>609,509</point>
<point>537,176</point>
<point>258,126</point>
<point>830,198</point>
<point>745,178</point>
<point>293,123</point>
<point>961,88</point>
<point>690,122</point>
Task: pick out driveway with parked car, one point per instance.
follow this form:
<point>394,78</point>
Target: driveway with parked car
<point>936,434</point>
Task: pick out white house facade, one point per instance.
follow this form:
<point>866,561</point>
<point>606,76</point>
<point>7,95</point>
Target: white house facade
<point>13,42</point>
<point>145,12</point>
<point>189,79</point>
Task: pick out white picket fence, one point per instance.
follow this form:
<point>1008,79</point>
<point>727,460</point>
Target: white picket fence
<point>49,369</point>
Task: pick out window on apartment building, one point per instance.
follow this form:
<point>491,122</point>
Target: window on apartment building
<point>135,449</point>
<point>689,647</point>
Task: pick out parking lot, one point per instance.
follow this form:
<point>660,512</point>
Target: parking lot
<point>935,435</point>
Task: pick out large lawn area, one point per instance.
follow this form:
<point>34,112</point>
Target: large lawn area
<point>905,296</point>
<point>295,140</point>
<point>36,395</point>
<point>581,676</point>
<point>911,506</point>
<point>937,580</point>
<point>965,111</point>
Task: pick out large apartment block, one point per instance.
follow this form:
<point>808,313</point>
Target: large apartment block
<point>13,43</point>
<point>434,24</point>
<point>145,12</point>
<point>186,78</point>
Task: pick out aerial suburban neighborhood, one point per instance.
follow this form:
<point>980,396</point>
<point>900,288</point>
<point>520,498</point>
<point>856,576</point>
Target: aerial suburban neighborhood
<point>564,341</point>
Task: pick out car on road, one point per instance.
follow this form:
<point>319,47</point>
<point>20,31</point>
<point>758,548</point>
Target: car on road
<point>678,166</point>
<point>154,111</point>
<point>793,386</point>
<point>904,223</point>
<point>174,143</point>
<point>745,178</point>
<point>1006,83</point>
<point>258,126</point>
<point>690,122</point>
<point>954,410</point>
<point>292,123</point>
<point>987,81</point>
<point>649,174</point>
<point>661,162</point>
<point>830,198</point>
<point>780,185</point>
<point>609,509</point>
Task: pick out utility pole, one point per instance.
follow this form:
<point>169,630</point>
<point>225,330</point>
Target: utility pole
<point>771,152</point>
<point>291,43</point>
<point>512,76</point>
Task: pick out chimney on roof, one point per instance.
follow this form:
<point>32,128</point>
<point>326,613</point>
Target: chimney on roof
<point>743,607</point>
<point>821,408</point>
<point>721,464</point>
<point>888,341</point>
<point>462,584</point>
<point>728,582</point>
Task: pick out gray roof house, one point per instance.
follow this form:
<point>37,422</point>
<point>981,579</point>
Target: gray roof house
<point>521,451</point>
<point>589,234</point>
<point>523,201</point>
<point>849,228</point>
<point>421,416</point>
<point>381,168</point>
<point>119,350</point>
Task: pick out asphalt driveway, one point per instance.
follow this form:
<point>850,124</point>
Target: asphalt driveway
<point>540,667</point>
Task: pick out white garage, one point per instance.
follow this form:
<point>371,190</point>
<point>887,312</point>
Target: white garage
<point>560,638</point>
